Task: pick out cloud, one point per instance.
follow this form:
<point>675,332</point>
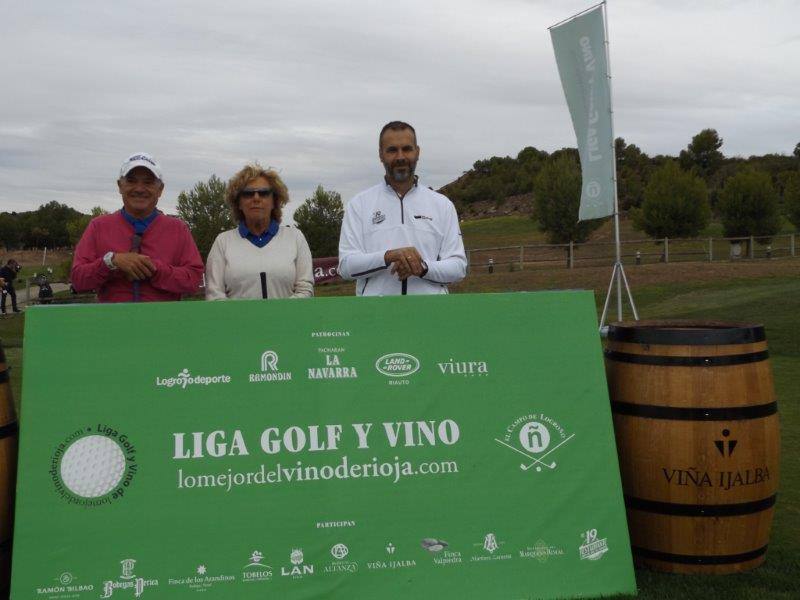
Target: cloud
<point>305,86</point>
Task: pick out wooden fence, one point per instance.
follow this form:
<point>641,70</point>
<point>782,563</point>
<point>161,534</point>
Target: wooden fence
<point>643,251</point>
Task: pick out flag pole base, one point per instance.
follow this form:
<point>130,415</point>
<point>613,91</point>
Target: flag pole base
<point>618,276</point>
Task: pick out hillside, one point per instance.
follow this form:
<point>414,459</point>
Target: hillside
<point>503,185</point>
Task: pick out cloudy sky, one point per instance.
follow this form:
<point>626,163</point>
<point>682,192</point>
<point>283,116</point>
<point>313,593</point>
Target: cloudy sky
<point>304,86</point>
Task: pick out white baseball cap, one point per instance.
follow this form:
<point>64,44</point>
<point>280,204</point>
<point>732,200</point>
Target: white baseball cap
<point>140,159</point>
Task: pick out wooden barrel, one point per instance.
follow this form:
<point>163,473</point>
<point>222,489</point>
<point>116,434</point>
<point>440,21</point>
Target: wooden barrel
<point>696,423</point>
<point>9,440</point>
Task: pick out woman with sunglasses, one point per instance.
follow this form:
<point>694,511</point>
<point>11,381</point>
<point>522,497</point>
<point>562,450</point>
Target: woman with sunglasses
<point>261,258</point>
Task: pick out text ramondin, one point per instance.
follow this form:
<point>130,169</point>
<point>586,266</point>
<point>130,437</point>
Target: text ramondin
<point>315,438</point>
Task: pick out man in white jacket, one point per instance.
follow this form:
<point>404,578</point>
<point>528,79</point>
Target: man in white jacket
<point>400,237</point>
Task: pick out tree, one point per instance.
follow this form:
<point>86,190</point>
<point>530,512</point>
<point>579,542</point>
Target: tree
<point>748,205</point>
<point>675,204</point>
<point>557,197</point>
<point>320,220</point>
<point>530,161</point>
<point>571,152</point>
<point>529,154</point>
<point>39,237</point>
<point>78,225</point>
<point>629,188</point>
<point>791,198</point>
<point>703,153</point>
<point>204,210</point>
<point>729,168</point>
<point>797,150</point>
<point>633,169</point>
<point>10,231</point>
<point>47,225</point>
<point>630,155</point>
<point>481,190</point>
<point>28,229</point>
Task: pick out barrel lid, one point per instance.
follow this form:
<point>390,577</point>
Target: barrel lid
<point>686,333</point>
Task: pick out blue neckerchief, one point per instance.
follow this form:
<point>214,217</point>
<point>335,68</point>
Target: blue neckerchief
<point>259,240</point>
<point>139,225</point>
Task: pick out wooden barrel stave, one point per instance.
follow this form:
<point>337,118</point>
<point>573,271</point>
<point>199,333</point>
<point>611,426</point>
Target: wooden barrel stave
<point>9,442</point>
<point>709,545</point>
<point>705,386</point>
<point>642,473</point>
<point>694,506</point>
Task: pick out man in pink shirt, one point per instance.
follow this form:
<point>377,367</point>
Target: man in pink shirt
<point>137,254</point>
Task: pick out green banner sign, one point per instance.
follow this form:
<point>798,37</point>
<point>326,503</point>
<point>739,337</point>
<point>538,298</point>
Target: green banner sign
<point>449,447</point>
<point>580,49</point>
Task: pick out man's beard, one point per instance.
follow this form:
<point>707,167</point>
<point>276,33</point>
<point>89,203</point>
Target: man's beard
<point>401,172</point>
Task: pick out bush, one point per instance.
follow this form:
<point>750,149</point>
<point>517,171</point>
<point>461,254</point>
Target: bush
<point>205,211</point>
<point>557,197</point>
<point>791,199</point>
<point>675,204</point>
<point>748,205</point>
<point>320,220</point>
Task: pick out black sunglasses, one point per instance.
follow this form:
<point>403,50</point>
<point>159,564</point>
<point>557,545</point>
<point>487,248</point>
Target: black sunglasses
<point>248,194</point>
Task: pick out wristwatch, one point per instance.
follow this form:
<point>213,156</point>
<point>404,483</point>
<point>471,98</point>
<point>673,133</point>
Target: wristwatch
<point>108,258</point>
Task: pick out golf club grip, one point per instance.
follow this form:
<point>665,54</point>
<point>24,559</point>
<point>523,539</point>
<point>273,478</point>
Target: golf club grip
<point>263,285</point>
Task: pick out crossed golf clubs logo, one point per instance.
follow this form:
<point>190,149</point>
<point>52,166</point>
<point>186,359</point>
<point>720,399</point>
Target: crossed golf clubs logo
<point>535,438</point>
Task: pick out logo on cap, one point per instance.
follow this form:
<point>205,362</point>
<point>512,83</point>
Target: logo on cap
<point>143,157</point>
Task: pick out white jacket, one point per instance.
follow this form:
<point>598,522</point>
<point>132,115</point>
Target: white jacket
<point>377,220</point>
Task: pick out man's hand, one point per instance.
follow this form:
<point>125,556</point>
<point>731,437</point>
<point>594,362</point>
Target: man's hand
<point>135,266</point>
<point>404,262</point>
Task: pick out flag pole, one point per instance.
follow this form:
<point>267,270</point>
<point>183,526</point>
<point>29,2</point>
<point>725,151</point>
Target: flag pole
<point>618,272</point>
<point>576,15</point>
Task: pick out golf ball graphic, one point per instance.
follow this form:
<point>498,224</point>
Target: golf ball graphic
<point>92,466</point>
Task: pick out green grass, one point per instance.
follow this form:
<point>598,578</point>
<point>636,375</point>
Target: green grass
<point>11,328</point>
<point>501,231</point>
<point>60,272</point>
<point>773,301</point>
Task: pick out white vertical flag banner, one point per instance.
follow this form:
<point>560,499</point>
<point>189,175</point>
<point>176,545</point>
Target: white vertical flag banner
<point>580,50</point>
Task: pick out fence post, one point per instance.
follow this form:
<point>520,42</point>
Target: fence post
<point>571,255</point>
<point>521,256</point>
<point>791,244</point>
<point>710,249</point>
<point>666,250</point>
<point>752,248</point>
